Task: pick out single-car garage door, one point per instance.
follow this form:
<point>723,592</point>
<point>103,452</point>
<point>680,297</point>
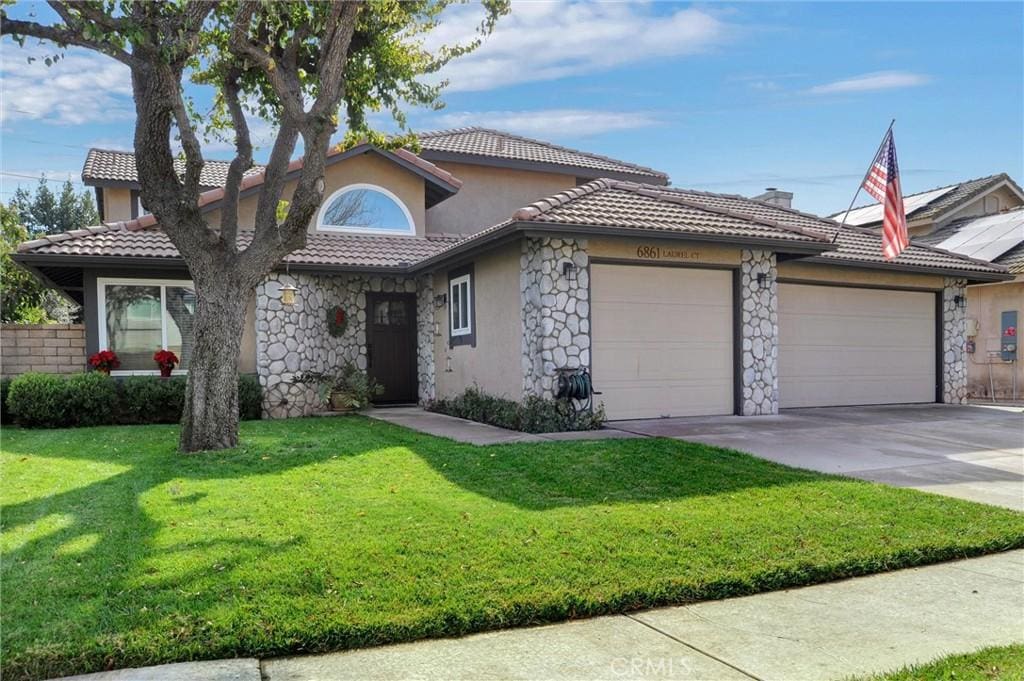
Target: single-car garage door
<point>662,340</point>
<point>848,346</point>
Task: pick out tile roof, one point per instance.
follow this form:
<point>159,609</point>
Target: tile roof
<point>108,165</point>
<point>616,203</point>
<point>103,165</point>
<point>945,198</point>
<point>613,204</point>
<point>1013,259</point>
<point>852,244</point>
<point>126,240</point>
<point>503,145</point>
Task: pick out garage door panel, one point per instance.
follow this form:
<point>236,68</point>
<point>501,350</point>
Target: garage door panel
<point>848,346</point>
<point>662,340</point>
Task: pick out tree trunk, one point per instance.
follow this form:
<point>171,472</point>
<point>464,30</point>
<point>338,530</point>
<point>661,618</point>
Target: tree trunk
<point>210,417</point>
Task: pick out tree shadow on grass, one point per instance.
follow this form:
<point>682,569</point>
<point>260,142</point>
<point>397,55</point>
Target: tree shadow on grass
<point>601,472</point>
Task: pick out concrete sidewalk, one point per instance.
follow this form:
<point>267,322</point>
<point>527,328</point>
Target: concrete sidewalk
<point>830,631</point>
<point>474,433</point>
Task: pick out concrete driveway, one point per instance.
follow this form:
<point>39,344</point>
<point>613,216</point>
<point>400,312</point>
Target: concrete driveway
<point>971,452</point>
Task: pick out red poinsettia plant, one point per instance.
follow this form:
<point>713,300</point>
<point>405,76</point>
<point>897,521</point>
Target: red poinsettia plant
<point>104,361</point>
<point>166,360</point>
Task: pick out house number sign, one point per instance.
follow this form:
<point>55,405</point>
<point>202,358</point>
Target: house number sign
<point>663,253</point>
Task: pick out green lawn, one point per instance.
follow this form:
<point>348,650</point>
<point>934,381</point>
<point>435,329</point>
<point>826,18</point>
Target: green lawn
<point>320,534</point>
<point>1001,663</point>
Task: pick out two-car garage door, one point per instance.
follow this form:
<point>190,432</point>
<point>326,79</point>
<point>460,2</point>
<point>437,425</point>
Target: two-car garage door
<point>663,343</point>
<point>850,346</point>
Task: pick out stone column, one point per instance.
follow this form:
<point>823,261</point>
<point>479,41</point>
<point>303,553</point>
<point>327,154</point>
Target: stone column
<point>954,366</point>
<point>425,322</point>
<point>759,333</point>
<point>556,311</point>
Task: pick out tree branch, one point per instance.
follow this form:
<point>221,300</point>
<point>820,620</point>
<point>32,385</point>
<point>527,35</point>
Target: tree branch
<point>241,162</point>
<point>61,36</point>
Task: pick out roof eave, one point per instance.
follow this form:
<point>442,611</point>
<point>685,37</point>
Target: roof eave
<point>970,275</point>
<point>530,228</point>
<point>556,168</point>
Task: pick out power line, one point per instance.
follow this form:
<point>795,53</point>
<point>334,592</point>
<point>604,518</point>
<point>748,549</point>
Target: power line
<point>39,177</point>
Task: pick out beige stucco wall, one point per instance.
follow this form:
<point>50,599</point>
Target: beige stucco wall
<point>247,350</point>
<point>1007,199</point>
<point>810,272</point>
<point>369,168</point>
<point>663,251</point>
<point>117,204</point>
<point>985,303</point>
<point>494,364</point>
<point>490,195</point>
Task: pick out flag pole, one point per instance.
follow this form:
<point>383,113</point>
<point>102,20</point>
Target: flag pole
<point>865,179</point>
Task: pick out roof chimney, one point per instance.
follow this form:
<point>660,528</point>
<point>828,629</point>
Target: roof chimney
<point>775,197</point>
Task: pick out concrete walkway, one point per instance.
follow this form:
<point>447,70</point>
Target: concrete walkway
<point>471,432</point>
<point>830,631</point>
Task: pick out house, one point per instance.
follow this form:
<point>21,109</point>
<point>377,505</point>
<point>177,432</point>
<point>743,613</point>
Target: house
<point>501,261</point>
<point>981,218</point>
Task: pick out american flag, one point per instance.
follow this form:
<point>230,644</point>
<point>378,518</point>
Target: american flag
<point>883,183</point>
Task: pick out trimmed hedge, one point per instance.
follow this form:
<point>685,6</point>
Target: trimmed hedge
<point>90,399</point>
<point>532,415</point>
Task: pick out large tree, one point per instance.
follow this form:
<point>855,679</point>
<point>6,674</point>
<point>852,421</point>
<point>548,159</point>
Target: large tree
<point>305,65</point>
<point>43,212</point>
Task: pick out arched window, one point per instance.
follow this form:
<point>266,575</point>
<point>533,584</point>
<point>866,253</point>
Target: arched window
<point>365,208</point>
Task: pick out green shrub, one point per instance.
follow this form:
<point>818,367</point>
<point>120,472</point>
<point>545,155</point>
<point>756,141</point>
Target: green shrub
<point>38,400</point>
<point>149,399</point>
<point>93,398</point>
<point>5,385</point>
<point>250,398</point>
<point>90,399</point>
<point>532,415</point>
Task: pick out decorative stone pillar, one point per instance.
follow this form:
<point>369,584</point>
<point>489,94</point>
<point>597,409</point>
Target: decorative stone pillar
<point>425,323</point>
<point>556,311</point>
<point>759,333</point>
<point>954,366</point>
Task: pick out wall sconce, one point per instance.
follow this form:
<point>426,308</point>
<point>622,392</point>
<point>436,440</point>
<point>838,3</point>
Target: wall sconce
<point>960,301</point>
<point>569,270</point>
<point>763,278</point>
<point>440,300</point>
<point>288,294</point>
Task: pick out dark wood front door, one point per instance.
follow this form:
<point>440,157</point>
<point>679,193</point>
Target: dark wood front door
<point>391,345</point>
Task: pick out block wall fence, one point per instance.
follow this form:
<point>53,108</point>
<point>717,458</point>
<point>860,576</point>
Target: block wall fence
<point>48,348</point>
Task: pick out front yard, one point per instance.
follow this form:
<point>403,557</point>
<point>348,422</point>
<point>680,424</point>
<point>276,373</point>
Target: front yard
<point>321,534</point>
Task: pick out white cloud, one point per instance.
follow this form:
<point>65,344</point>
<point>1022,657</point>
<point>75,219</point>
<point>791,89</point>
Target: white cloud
<point>546,40</point>
<point>552,122</point>
<point>82,87</point>
<point>870,82</point>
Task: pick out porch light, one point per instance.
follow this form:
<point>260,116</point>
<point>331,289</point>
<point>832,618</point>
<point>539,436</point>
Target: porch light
<point>960,301</point>
<point>762,278</point>
<point>288,294</point>
<point>569,270</point>
<point>440,300</point>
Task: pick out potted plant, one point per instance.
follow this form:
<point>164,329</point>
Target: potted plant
<point>348,389</point>
<point>104,360</point>
<point>166,360</point>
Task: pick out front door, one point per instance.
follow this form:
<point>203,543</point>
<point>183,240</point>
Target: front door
<point>391,345</point>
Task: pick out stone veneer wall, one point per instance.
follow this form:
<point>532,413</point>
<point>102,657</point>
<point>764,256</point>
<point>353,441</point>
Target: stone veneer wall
<point>759,333</point>
<point>293,339</point>
<point>425,333</point>
<point>954,364</point>
<point>47,348</point>
<point>556,311</point>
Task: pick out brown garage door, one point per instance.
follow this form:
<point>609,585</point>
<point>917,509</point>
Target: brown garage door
<point>850,346</point>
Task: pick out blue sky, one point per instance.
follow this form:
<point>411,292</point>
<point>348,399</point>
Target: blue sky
<point>724,97</point>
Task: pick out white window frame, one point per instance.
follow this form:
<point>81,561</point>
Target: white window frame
<point>409,231</point>
<point>455,283</point>
<point>101,316</point>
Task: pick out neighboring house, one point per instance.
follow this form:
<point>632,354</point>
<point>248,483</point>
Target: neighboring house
<point>982,218</point>
<point>494,260</point>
